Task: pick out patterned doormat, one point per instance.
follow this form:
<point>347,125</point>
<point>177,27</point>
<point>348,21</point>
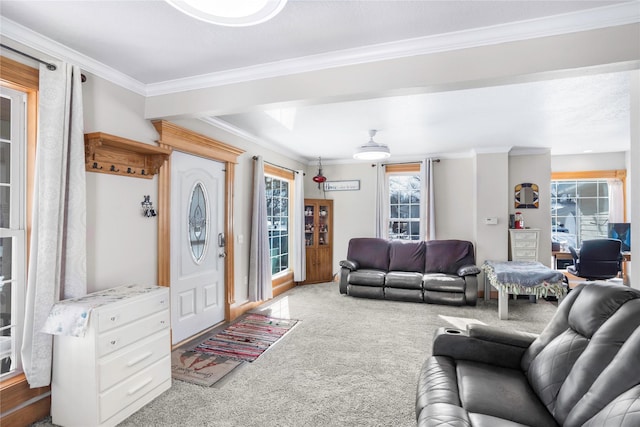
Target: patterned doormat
<point>200,368</point>
<point>248,338</point>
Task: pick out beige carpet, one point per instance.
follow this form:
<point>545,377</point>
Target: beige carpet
<point>349,362</point>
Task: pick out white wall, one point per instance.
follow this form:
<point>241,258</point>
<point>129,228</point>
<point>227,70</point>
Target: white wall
<point>589,162</point>
<point>121,243</point>
<point>491,200</point>
<point>353,210</point>
<point>535,169</point>
<point>454,197</point>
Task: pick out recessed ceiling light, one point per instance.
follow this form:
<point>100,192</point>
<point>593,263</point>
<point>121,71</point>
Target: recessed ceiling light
<point>230,13</point>
<point>588,151</point>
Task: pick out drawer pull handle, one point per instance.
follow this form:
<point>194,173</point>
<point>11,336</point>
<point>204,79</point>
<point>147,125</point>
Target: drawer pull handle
<point>139,387</point>
<point>139,359</point>
<point>113,318</point>
<point>113,342</point>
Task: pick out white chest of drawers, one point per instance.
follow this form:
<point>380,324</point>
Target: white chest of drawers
<point>523,244</point>
<point>121,363</point>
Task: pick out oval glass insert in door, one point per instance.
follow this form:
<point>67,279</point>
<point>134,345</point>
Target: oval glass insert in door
<point>198,227</point>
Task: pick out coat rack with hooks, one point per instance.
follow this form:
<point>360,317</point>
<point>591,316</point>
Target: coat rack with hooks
<point>114,155</point>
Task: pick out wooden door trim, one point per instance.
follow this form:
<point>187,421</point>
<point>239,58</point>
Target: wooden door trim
<point>189,142</point>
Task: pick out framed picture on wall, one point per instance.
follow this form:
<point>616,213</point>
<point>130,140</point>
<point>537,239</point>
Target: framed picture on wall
<point>527,196</point>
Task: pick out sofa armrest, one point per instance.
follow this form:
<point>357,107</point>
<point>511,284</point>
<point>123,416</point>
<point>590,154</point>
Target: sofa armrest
<point>351,265</point>
<point>468,270</point>
<point>483,346</point>
<point>503,336</point>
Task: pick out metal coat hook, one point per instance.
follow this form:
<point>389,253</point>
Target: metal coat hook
<point>95,165</point>
<point>113,169</point>
<point>131,171</point>
<point>148,210</point>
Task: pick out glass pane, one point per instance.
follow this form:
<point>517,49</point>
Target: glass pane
<point>5,163</point>
<point>587,189</point>
<point>284,189</point>
<point>6,329</point>
<point>5,118</point>
<point>5,205</point>
<point>5,258</point>
<point>566,190</point>
<point>198,222</point>
<point>415,211</point>
<point>403,211</point>
<point>603,189</point>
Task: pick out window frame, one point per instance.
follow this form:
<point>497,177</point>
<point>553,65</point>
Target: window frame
<point>405,169</point>
<point>271,171</point>
<point>620,174</point>
<point>19,401</point>
<point>16,230</point>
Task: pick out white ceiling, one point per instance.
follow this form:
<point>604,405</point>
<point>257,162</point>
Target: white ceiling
<point>155,49</point>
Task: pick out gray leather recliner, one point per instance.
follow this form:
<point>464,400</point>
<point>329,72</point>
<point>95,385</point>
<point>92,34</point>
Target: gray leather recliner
<point>582,370</point>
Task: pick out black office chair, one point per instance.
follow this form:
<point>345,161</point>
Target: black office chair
<point>597,259</point>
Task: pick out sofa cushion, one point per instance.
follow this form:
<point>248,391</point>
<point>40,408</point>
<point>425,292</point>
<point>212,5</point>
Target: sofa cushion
<point>446,298</point>
<point>447,256</point>
<point>443,282</point>
<point>406,255</point>
<point>403,280</point>
<point>510,395</point>
<point>399,294</point>
<point>369,252</point>
<point>367,278</point>
<point>360,291</point>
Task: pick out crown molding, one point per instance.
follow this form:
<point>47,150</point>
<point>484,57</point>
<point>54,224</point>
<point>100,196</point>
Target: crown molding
<point>607,16</point>
<point>49,47</point>
<point>227,127</point>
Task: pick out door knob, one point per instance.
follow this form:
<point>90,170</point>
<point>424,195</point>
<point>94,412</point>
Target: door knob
<point>222,255</point>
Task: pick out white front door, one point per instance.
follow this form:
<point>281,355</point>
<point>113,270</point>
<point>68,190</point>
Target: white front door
<point>197,244</point>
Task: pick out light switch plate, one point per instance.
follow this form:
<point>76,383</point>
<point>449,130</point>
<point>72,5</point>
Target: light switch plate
<point>491,220</point>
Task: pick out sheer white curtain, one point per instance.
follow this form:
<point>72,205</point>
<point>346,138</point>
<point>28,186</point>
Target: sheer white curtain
<point>382,202</point>
<point>259,268</point>
<point>427,204</point>
<point>299,258</point>
<point>57,259</point>
<point>616,202</point>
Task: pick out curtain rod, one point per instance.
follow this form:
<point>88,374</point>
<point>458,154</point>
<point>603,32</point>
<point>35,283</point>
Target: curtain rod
<point>278,166</point>
<point>49,65</point>
<point>404,163</point>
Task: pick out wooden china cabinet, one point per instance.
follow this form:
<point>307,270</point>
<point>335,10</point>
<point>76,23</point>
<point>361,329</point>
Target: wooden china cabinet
<point>318,235</point>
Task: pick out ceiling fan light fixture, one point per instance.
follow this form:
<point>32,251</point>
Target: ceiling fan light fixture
<point>230,13</point>
<point>372,150</point>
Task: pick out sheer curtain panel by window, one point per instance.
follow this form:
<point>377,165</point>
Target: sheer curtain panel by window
<point>57,260</point>
<point>299,255</point>
<point>259,269</point>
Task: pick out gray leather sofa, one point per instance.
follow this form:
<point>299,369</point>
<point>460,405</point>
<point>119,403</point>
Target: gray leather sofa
<point>582,370</point>
<point>435,271</point>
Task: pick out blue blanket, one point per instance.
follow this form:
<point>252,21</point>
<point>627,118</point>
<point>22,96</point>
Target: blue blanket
<point>524,273</point>
<point>530,277</point>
